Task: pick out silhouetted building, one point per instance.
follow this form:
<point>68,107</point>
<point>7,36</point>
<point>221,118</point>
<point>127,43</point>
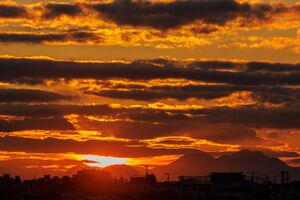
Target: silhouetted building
<point>193,179</point>
<point>95,184</point>
<point>231,186</point>
<point>147,179</point>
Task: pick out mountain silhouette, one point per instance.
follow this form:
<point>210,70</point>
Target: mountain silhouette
<point>251,161</point>
<point>189,164</point>
<point>243,161</point>
<point>124,171</point>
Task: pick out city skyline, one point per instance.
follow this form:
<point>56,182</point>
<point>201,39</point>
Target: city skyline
<point>99,83</point>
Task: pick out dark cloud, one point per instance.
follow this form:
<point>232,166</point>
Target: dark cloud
<point>268,152</point>
<point>95,147</point>
<point>56,123</point>
<point>30,95</point>
<point>48,69</point>
<point>31,38</point>
<point>41,38</point>
<point>195,128</point>
<point>272,67</point>
<point>15,70</point>
<point>173,14</point>
<point>159,15</point>
<point>12,11</point>
<point>54,10</point>
<point>250,67</point>
<point>281,118</point>
<point>46,110</point>
<point>214,65</point>
<point>157,94</point>
<point>175,142</point>
<point>262,94</point>
<point>203,30</point>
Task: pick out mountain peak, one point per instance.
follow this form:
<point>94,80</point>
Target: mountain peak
<point>124,171</point>
<point>241,161</point>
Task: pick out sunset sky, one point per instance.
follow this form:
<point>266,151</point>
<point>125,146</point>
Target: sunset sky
<point>144,82</point>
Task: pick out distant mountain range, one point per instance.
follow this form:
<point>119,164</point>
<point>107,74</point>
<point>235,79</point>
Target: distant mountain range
<point>199,164</point>
<point>243,161</point>
<point>202,164</point>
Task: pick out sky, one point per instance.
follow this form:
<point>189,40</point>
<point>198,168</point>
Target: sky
<point>94,83</point>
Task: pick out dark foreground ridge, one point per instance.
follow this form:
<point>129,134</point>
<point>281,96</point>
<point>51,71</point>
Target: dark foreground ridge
<point>99,185</point>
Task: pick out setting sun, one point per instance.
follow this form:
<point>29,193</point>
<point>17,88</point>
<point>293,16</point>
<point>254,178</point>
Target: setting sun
<point>103,161</point>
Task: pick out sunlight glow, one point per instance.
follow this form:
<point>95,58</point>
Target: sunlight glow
<point>103,161</point>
